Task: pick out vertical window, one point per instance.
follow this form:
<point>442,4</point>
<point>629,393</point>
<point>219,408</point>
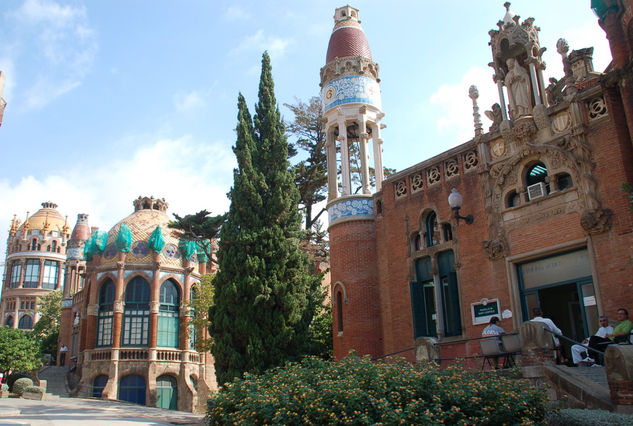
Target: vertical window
<point>339,310</point>
<point>9,321</point>
<point>25,323</point>
<point>168,315</point>
<point>447,231</point>
<point>31,273</point>
<point>136,313</point>
<point>423,300</point>
<point>54,247</point>
<point>104,318</point>
<point>432,234</point>
<point>51,269</point>
<point>16,271</point>
<point>193,331</point>
<point>450,294</point>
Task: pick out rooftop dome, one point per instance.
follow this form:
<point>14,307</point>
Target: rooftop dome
<point>81,232</point>
<point>47,217</point>
<point>348,37</point>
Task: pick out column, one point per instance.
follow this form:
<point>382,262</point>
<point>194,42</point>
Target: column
<point>154,305</point>
<point>502,100</point>
<point>16,312</point>
<point>39,283</point>
<point>92,310</point>
<point>345,172</point>
<point>60,266</point>
<point>378,156</point>
<point>364,156</point>
<point>537,97</point>
<point>117,320</point>
<point>330,149</point>
<point>22,266</point>
<point>184,310</point>
<point>541,85</point>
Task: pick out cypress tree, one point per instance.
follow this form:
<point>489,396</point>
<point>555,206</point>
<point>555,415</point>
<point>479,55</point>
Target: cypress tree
<point>265,285</point>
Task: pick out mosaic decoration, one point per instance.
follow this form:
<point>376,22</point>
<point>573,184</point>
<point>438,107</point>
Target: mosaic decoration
<point>110,251</point>
<point>163,275</point>
<point>172,251</point>
<point>74,253</point>
<point>351,89</point>
<point>349,208</point>
<point>140,249</point>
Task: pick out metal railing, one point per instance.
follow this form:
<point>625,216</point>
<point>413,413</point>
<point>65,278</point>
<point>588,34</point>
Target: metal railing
<point>575,342</point>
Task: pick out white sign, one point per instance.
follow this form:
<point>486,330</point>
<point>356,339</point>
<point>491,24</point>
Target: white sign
<point>589,300</point>
<point>483,310</point>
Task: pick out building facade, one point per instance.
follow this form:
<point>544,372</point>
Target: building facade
<point>126,312</point>
<point>34,265</point>
<point>551,225</point>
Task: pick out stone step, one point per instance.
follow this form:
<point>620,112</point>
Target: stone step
<point>586,386</point>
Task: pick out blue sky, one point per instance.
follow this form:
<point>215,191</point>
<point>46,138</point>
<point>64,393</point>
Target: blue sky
<point>111,100</point>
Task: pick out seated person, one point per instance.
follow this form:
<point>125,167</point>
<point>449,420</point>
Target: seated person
<point>492,329</point>
<point>620,333</point>
<point>537,316</point>
<point>579,352</point>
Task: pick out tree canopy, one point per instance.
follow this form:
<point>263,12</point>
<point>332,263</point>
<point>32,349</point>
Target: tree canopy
<point>46,329</point>
<point>19,351</point>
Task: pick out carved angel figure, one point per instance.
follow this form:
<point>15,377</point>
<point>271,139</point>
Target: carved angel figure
<point>518,83</point>
<point>494,116</point>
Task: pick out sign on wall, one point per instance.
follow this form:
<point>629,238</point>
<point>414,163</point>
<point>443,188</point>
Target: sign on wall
<point>485,309</point>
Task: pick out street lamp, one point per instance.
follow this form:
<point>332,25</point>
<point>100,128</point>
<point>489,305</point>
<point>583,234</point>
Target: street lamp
<point>455,201</point>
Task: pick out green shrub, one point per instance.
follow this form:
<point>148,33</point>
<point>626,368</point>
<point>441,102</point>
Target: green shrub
<point>11,378</point>
<point>579,417</point>
<point>35,389</point>
<point>20,385</point>
<point>361,391</point>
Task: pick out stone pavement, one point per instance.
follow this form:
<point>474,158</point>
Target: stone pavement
<point>78,411</point>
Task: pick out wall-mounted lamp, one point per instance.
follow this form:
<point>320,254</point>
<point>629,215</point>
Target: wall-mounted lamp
<point>455,201</point>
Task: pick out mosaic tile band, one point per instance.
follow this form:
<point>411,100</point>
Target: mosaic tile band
<point>361,207</point>
<point>351,89</point>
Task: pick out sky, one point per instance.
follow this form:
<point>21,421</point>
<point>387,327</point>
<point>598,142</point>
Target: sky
<point>107,101</point>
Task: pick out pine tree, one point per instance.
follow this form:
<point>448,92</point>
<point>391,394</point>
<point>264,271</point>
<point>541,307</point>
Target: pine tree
<point>265,290</point>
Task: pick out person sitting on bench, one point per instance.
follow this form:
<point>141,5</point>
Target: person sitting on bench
<point>537,316</point>
<point>579,353</point>
<point>620,333</point>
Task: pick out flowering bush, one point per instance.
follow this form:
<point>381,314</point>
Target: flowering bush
<point>360,391</point>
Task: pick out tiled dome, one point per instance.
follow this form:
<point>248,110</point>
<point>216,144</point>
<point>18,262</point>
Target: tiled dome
<point>48,214</point>
<point>347,39</point>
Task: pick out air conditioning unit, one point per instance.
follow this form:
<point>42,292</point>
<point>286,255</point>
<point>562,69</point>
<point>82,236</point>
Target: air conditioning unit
<point>538,190</point>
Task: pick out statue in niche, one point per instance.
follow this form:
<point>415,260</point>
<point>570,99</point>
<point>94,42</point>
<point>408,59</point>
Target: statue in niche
<point>518,83</point>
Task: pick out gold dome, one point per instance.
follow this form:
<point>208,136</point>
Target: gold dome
<point>47,218</point>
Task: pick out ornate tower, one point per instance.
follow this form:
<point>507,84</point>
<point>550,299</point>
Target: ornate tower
<point>350,95</point>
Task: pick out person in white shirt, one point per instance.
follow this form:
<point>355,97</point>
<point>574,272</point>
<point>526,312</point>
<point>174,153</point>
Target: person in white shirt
<point>579,353</point>
<point>537,316</point>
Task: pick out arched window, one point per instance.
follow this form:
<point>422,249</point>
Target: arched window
<point>34,244</point>
<point>167,392</point>
<point>536,173</point>
<point>51,270</point>
<point>9,321</point>
<point>31,273</point>
<point>132,389</point>
<point>168,315</point>
<point>136,313</point>
<point>339,310</point>
<point>25,323</point>
<point>563,181</point>
<point>54,246</point>
<point>104,319</point>
<point>16,270</point>
<point>98,384</point>
<point>432,231</point>
<point>513,199</point>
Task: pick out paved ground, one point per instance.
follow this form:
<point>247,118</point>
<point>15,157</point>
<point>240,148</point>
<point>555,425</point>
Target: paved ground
<point>77,411</point>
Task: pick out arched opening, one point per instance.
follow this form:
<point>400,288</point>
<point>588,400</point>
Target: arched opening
<point>563,181</point>
<point>33,244</point>
<point>31,273</point>
<point>104,318</point>
<point>168,315</point>
<point>98,384</point>
<point>339,310</point>
<point>167,392</point>
<point>513,199</point>
<point>535,174</point>
<point>9,321</point>
<point>136,313</point>
<point>132,389</point>
<point>432,230</point>
<point>25,323</point>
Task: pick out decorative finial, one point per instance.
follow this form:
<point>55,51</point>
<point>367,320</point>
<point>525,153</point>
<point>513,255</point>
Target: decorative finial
<point>507,6</point>
<point>473,93</point>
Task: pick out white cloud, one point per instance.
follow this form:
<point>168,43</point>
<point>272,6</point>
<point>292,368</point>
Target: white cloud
<point>236,13</point>
<point>276,46</point>
<point>60,41</point>
<point>176,169</point>
<point>453,110</point>
<point>189,101</point>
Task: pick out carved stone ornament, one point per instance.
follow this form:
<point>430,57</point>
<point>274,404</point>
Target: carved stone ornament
<point>540,117</point>
<point>495,249</point>
<point>596,221</point>
<point>524,130</point>
<point>118,306</point>
<point>498,148</point>
<point>561,122</point>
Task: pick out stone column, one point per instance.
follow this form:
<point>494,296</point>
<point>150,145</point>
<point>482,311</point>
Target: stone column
<point>345,171</point>
<point>21,281</point>
<point>364,156</point>
<point>502,100</point>
<point>39,283</point>
<point>16,312</point>
<point>542,85</point>
<point>378,156</point>
<point>184,309</point>
<point>92,310</point>
<point>537,97</point>
<point>117,320</point>
<point>618,362</point>
<point>154,305</point>
<point>59,275</point>
<point>330,149</point>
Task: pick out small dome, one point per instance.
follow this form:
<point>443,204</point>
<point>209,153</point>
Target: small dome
<point>48,214</point>
<point>348,37</point>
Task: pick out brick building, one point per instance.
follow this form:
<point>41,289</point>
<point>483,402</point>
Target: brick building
<point>552,226</point>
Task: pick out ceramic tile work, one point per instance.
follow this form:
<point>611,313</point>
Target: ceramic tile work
<point>351,89</point>
<point>351,207</point>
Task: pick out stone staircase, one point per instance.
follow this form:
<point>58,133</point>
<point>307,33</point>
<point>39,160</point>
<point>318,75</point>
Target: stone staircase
<point>580,387</point>
<point>55,381</point>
